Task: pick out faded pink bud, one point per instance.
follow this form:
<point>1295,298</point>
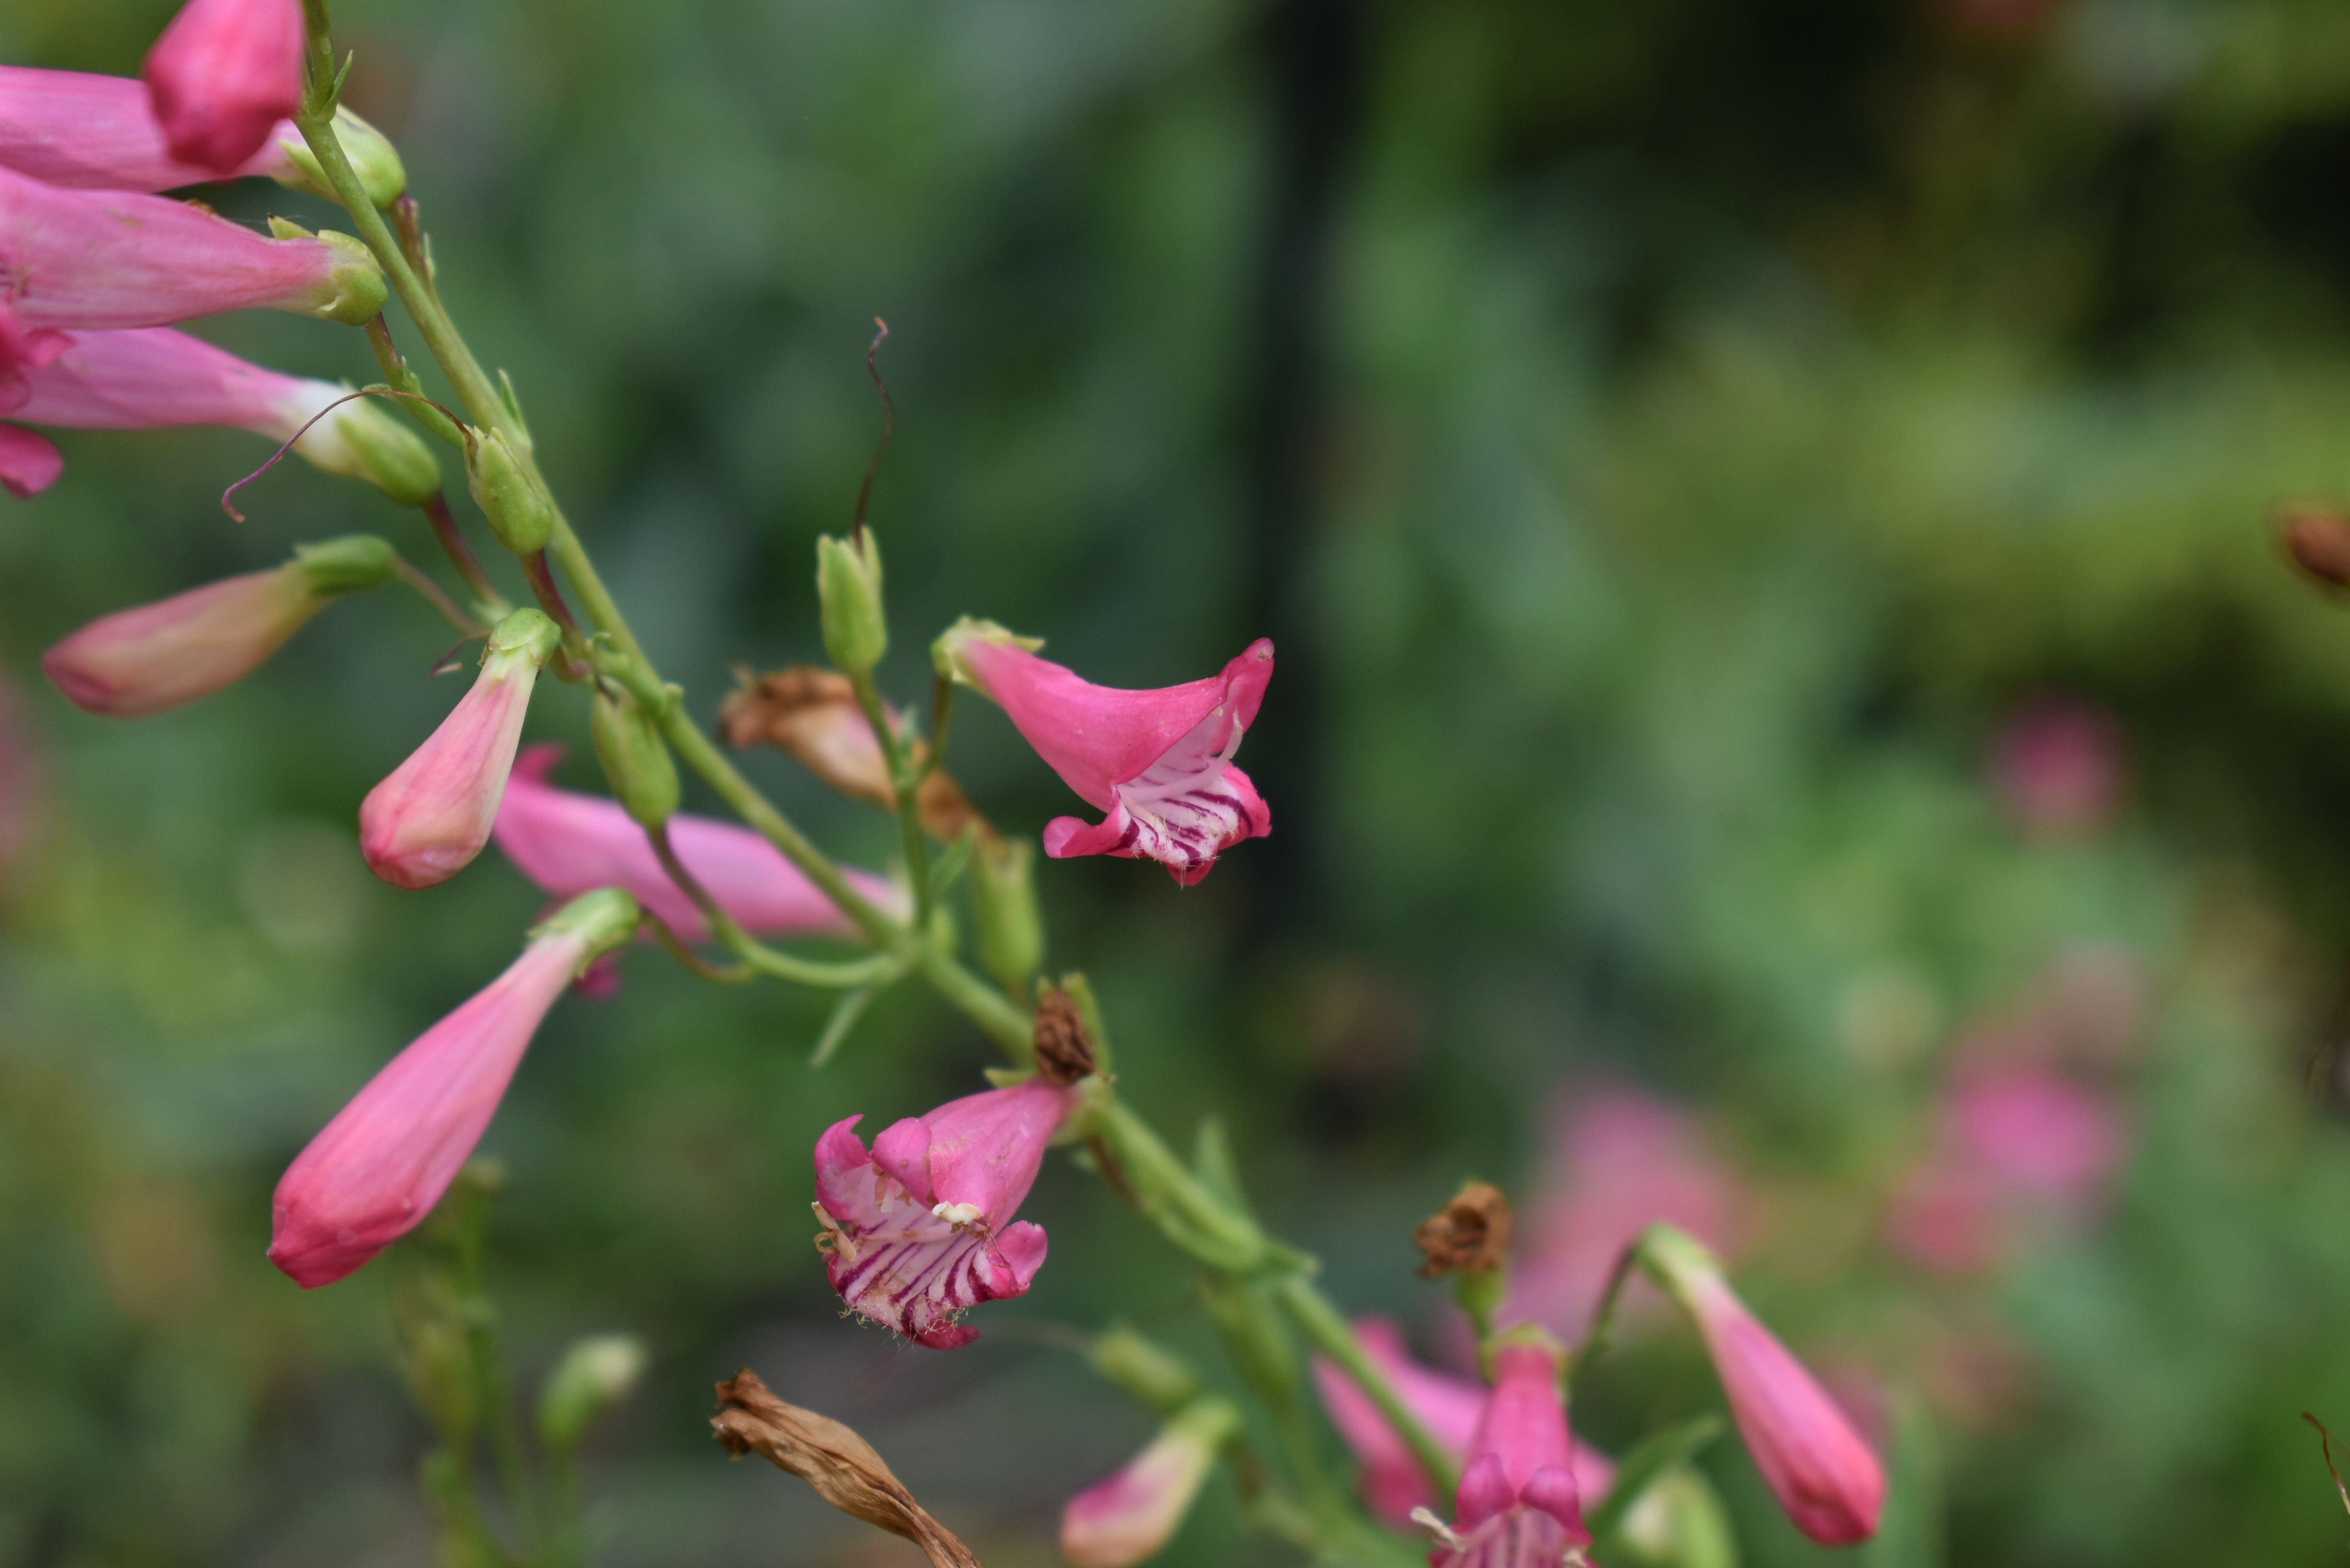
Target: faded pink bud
<point>1133,1514</point>
<point>2059,768</point>
<point>1822,1474</point>
<point>1158,762</point>
<point>1518,1505</point>
<point>94,259</point>
<point>567,843</point>
<point>919,1231</point>
<point>384,1161</point>
<point>158,657</point>
<point>222,77</point>
<point>426,821</point>
<point>1394,1485</point>
<point>29,463</point>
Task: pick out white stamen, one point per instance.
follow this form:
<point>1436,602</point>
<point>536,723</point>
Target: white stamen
<point>959,1215</point>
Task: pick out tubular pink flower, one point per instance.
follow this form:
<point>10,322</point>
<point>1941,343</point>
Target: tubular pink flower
<point>29,463</point>
<point>919,1231</point>
<point>2038,1131</point>
<point>222,77</point>
<point>151,377</point>
<point>568,843</point>
<point>1158,762</point>
<point>1450,1407</point>
<point>1822,1474</point>
<point>1518,1505</point>
<point>86,131</point>
<point>384,1161</point>
<point>158,657</point>
<point>75,259</point>
<point>1134,1513</point>
<point>426,821</point>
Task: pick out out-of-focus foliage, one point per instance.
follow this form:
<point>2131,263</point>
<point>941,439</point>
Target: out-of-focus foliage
<point>1668,444</point>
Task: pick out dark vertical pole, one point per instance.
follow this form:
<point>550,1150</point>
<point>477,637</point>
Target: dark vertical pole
<point>1313,58</point>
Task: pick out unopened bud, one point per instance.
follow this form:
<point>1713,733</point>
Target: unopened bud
<point>348,564</point>
<point>635,757</point>
<point>1678,1522</point>
<point>519,511</point>
<point>374,159</point>
<point>594,1376</point>
<point>1063,1051</point>
<point>1003,900</point>
<point>2316,535</point>
<point>1157,1376</point>
<point>848,591</point>
<point>1131,1516</point>
<point>360,440</point>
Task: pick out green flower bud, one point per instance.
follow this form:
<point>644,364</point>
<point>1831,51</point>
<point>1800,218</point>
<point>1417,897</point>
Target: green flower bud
<point>1158,1377</point>
<point>1679,1522</point>
<point>848,590</point>
<point>349,565</point>
<point>373,156</point>
<point>520,512</point>
<point>635,757</point>
<point>359,440</point>
<point>1003,904</point>
<point>593,1376</point>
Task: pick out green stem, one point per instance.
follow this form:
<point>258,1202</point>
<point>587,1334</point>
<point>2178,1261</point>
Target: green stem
<point>1604,1320</point>
<point>902,785</point>
<point>397,374</point>
<point>1189,1214</point>
<point>1329,1333</point>
<point>491,603</point>
<point>755,953</point>
<point>435,596</point>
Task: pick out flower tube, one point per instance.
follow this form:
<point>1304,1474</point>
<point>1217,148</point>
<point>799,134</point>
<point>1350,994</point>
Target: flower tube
<point>29,463</point>
<point>1517,1505</point>
<point>152,377</point>
<point>567,843</point>
<point>91,133</point>
<point>1822,1474</point>
<point>919,1231</point>
<point>384,1161</point>
<point>162,656</point>
<point>115,258</point>
<point>428,819</point>
<point>223,76</point>
<point>1158,762</point>
<point>1134,1513</point>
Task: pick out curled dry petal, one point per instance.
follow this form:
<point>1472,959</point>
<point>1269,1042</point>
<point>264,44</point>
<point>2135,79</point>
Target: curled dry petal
<point>842,1467</point>
<point>1471,1234</point>
<point>813,714</point>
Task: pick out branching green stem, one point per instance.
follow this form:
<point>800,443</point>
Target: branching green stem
<point>903,784</point>
<point>438,597</point>
<point>1604,1320</point>
<point>1329,1333</point>
<point>758,954</point>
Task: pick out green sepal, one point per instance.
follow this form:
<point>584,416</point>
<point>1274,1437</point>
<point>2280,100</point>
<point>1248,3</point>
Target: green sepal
<point>636,759</point>
<point>519,511</point>
<point>849,594</point>
<point>350,564</point>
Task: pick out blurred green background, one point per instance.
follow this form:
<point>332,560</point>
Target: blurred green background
<point>1668,443</point>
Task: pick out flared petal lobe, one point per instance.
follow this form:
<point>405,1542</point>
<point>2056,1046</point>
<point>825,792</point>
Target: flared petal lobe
<point>919,1230</point>
<point>384,1161</point>
<point>223,76</point>
<point>567,843</point>
<point>1158,762</point>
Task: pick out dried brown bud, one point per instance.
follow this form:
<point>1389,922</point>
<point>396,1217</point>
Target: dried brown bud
<point>1064,1053</point>
<point>841,1465</point>
<point>813,714</point>
<point>2316,535</point>
<point>1471,1234</point>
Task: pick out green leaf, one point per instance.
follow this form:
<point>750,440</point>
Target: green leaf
<point>845,1014</point>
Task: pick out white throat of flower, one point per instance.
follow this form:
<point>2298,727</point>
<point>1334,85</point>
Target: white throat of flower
<point>1179,810</point>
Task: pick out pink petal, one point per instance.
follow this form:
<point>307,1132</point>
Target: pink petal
<point>86,131</point>
<point>222,77</point>
<point>29,463</point>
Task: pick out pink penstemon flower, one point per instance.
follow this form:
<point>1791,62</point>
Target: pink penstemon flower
<point>223,76</point>
<point>1826,1478</point>
<point>567,843</point>
<point>1132,1515</point>
<point>1159,763</point>
<point>1518,1505</point>
<point>920,1230</point>
<point>158,657</point>
<point>431,814</point>
<point>379,1167</point>
<point>90,132</point>
<point>152,377</point>
<point>1394,1484</point>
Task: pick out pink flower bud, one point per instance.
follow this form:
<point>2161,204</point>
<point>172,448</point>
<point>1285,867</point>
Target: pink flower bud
<point>29,463</point>
<point>96,259</point>
<point>1159,763</point>
<point>567,843</point>
<point>426,822</point>
<point>1822,1474</point>
<point>1518,1505</point>
<point>222,77</point>
<point>920,1230</point>
<point>384,1161</point>
<point>158,657</point>
<point>1134,1513</point>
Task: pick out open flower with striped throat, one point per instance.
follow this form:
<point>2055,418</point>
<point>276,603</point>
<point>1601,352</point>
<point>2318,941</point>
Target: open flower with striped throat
<point>1159,763</point>
<point>1517,1505</point>
<point>920,1230</point>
